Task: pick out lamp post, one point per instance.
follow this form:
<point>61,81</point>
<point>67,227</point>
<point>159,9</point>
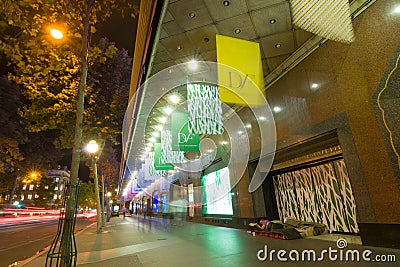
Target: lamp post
<point>92,148</point>
<point>103,192</point>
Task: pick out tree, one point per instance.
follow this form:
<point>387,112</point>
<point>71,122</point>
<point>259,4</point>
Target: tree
<point>109,168</point>
<point>40,77</point>
<point>6,181</point>
<point>49,71</point>
<point>108,91</point>
<point>11,134</point>
<point>87,197</point>
<point>44,192</point>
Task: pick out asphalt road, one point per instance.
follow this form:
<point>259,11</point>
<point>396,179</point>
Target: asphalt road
<point>23,240</point>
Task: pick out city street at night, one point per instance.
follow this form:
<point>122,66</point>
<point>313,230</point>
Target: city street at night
<point>23,237</point>
<point>199,133</point>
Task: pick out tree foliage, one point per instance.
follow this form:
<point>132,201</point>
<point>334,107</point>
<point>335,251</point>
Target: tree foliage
<point>44,192</point>
<point>10,131</point>
<point>109,168</point>
<point>48,70</point>
<point>87,196</point>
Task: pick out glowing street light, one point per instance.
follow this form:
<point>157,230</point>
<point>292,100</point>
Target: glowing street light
<point>92,147</point>
<point>33,175</point>
<point>56,34</point>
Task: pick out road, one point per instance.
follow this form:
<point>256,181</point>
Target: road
<point>21,239</point>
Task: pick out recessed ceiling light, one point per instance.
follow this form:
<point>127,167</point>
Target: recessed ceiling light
<point>248,126</point>
<point>278,45</point>
<point>314,85</point>
<point>239,132</point>
<point>237,30</point>
<point>178,47</point>
<point>272,21</point>
<point>174,99</point>
<point>206,39</point>
<point>192,14</point>
<point>224,143</point>
<point>397,9</point>
<point>277,109</point>
<point>226,3</point>
<point>193,64</point>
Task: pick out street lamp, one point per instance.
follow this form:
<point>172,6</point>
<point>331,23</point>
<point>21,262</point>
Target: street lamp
<point>92,147</point>
<point>56,34</point>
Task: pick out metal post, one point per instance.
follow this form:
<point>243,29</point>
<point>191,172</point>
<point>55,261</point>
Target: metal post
<point>103,191</point>
<point>96,185</point>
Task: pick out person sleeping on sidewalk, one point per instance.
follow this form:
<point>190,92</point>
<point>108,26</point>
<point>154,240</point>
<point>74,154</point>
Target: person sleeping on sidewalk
<point>261,224</point>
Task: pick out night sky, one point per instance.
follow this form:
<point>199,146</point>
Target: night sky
<point>120,30</point>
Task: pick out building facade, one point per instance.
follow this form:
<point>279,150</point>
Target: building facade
<point>335,109</point>
<point>45,191</point>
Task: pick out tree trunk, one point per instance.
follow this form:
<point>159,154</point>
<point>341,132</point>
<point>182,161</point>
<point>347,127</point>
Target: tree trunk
<point>68,229</point>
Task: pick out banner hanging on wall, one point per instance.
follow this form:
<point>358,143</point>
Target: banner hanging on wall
<point>159,161</point>
<point>205,110</point>
<point>168,155</point>
<point>240,73</point>
<point>182,140</point>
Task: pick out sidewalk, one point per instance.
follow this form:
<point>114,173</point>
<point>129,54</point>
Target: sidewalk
<point>134,241</point>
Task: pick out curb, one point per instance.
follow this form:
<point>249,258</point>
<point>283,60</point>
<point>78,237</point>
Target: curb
<point>42,251</point>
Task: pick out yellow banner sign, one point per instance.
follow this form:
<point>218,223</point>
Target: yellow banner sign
<point>240,73</point>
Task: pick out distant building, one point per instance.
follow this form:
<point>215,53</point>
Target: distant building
<point>48,191</point>
<point>60,179</point>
